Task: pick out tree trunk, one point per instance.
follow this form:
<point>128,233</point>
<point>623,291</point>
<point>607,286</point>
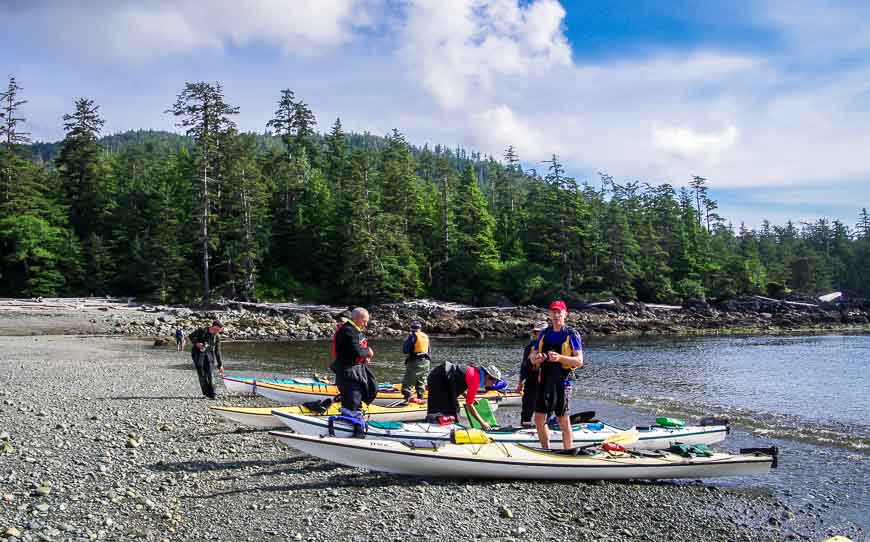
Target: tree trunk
<point>205,285</point>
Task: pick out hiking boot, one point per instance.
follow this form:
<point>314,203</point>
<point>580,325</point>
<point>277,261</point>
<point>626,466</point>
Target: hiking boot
<point>416,401</point>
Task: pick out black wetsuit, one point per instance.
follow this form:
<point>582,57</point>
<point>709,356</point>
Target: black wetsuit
<point>446,383</point>
<point>529,375</point>
<point>355,382</point>
<point>206,361</point>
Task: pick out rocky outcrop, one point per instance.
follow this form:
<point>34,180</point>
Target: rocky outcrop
<point>260,321</point>
<point>292,322</point>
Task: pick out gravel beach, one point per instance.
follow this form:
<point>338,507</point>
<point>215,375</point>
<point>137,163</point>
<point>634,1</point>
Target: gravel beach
<point>108,439</point>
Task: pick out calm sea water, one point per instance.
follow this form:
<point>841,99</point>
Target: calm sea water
<point>810,395</point>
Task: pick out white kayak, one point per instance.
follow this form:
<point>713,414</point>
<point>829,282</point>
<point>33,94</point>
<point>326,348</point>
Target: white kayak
<point>515,461</point>
<point>263,417</point>
<point>296,394</point>
<point>426,434</point>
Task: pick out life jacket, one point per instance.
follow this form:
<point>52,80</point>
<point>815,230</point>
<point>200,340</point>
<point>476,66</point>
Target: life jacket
<point>545,345</point>
<point>421,345</point>
<point>420,349</point>
<point>334,348</point>
<point>564,348</point>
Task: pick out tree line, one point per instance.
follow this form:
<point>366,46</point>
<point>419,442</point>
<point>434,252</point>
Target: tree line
<point>355,218</point>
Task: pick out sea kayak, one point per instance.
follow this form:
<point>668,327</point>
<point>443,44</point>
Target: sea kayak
<point>263,418</point>
<point>248,385</point>
<point>424,434</point>
<point>296,394</point>
<point>516,461</point>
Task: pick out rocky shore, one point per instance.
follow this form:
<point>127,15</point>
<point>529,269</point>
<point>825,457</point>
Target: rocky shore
<point>107,439</point>
<point>251,321</point>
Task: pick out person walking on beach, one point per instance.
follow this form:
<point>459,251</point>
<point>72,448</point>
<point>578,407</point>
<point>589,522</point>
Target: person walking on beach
<point>558,352</point>
<point>206,353</point>
<point>351,355</point>
<point>179,339</point>
<point>416,347</point>
<point>529,374</point>
<point>450,380</point>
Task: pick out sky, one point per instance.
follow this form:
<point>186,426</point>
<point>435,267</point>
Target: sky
<point>768,100</point>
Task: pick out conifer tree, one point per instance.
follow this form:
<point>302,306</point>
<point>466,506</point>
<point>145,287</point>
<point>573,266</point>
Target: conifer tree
<point>205,116</point>
<point>475,266</point>
<point>336,159</point>
<point>10,137</point>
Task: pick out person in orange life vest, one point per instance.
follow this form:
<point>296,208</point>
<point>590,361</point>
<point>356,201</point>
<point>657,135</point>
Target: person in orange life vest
<point>528,382</point>
<point>558,352</point>
<point>351,352</point>
<point>416,346</point>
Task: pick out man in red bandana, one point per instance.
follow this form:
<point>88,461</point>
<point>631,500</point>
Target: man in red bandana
<point>558,352</point>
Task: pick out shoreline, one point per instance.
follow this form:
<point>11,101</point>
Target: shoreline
<point>283,322</point>
<point>117,444</point>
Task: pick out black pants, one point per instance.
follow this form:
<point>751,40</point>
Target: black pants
<point>204,362</point>
<point>530,394</point>
<point>356,385</point>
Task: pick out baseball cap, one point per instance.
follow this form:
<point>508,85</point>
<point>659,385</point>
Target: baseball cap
<point>217,323</point>
<point>558,305</point>
<point>416,324</point>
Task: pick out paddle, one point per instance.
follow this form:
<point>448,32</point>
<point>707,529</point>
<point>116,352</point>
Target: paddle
<point>623,438</point>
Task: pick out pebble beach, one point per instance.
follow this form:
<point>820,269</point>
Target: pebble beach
<point>108,439</point>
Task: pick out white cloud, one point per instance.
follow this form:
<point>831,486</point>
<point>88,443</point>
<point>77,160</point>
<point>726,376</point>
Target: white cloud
<point>458,48</point>
<point>494,129</point>
<point>130,31</point>
<point>688,143</point>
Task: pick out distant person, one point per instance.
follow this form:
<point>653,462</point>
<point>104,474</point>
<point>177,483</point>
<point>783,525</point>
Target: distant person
<point>351,355</point>
<point>417,361</point>
<point>558,352</point>
<point>179,339</point>
<point>206,353</point>
<point>529,376</point>
<point>450,380</point>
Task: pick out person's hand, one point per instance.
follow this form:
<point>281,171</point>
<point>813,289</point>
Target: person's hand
<point>538,358</point>
<point>553,356</point>
<point>201,346</point>
<point>520,387</point>
<point>485,426</point>
<point>221,371</point>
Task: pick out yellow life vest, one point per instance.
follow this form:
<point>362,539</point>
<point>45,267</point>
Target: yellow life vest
<point>565,348</point>
<point>421,345</point>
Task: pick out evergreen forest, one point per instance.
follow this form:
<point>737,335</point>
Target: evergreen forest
<point>296,214</point>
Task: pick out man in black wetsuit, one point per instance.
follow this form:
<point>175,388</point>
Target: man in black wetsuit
<point>528,382</point>
<point>206,353</point>
<point>351,353</point>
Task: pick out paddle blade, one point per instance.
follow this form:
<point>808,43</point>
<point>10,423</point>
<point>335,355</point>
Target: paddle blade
<point>624,438</point>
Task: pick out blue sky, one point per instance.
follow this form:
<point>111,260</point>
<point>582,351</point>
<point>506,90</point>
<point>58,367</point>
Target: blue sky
<point>769,100</point>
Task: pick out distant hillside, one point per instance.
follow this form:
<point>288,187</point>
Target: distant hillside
<point>163,142</point>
